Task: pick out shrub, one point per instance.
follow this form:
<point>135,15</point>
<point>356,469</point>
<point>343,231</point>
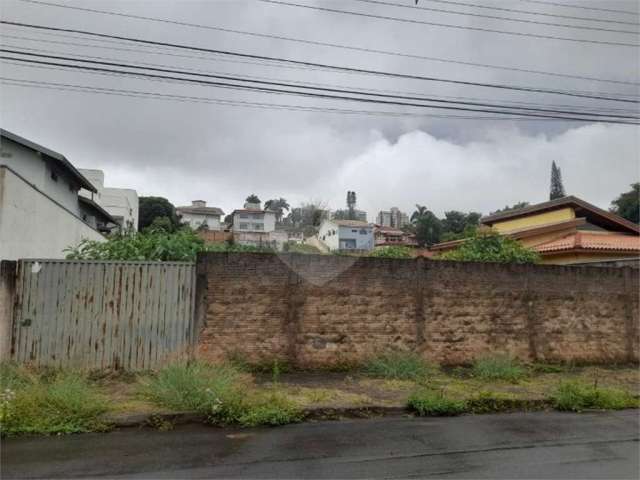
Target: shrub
<point>575,396</point>
<point>62,403</point>
<point>399,366</point>
<point>392,252</point>
<point>265,408</point>
<point>428,402</point>
<point>196,386</point>
<point>491,247</point>
<point>498,367</point>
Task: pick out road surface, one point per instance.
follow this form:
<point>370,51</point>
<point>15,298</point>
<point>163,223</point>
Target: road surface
<point>519,445</point>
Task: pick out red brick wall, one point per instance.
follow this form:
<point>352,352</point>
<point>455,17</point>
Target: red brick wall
<point>317,310</point>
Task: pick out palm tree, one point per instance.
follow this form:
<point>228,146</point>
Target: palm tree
<point>278,205</point>
<point>421,211</point>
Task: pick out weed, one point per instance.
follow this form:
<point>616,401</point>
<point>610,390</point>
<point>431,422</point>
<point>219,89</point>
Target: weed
<point>400,366</point>
<point>160,423</point>
<point>266,408</point>
<point>499,367</point>
<point>576,396</point>
<point>492,402</point>
<point>428,402</point>
<point>548,368</point>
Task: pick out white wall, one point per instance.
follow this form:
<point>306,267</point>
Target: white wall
<point>268,219</point>
<point>30,165</point>
<point>195,220</point>
<point>364,241</point>
<point>119,202</point>
<point>33,226</point>
<point>327,236</point>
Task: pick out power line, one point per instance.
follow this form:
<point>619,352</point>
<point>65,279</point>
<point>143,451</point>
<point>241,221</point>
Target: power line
<point>312,94</point>
<point>529,12</point>
<point>331,45</point>
<point>374,90</point>
<point>447,25</point>
<point>493,17</point>
<point>566,5</point>
<point>306,87</point>
<point>329,67</point>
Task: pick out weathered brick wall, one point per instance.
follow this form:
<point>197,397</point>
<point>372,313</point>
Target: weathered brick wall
<point>322,310</point>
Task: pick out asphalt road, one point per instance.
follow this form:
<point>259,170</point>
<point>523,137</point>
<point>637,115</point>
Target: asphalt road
<point>534,445</point>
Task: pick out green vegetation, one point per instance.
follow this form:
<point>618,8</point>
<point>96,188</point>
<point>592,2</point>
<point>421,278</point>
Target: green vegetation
<point>53,402</point>
<point>627,205</point>
<point>270,407</point>
<point>399,366</point>
<point>392,252</point>
<point>499,367</point>
<point>293,247</point>
<point>428,402</point>
<point>576,396</point>
<point>491,247</point>
<point>158,213</point>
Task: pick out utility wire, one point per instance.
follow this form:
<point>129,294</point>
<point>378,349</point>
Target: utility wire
<point>527,12</point>
<point>373,90</point>
<point>493,17</point>
<point>566,5</point>
<point>330,67</point>
<point>312,94</point>
<point>330,45</point>
<point>447,25</point>
<point>306,87</point>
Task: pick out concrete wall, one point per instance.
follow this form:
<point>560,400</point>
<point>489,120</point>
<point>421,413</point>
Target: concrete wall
<point>7,300</point>
<point>32,225</point>
<point>320,310</point>
<point>121,203</point>
<point>195,220</point>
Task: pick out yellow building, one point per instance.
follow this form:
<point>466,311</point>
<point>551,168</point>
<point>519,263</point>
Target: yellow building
<point>566,231</point>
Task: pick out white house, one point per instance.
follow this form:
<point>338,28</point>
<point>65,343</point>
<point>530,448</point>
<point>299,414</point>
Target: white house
<point>339,235</point>
<point>41,213</point>
<point>198,214</point>
<point>121,203</point>
<point>253,219</point>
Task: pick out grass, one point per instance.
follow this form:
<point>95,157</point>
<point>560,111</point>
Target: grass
<point>575,396</point>
<point>52,402</point>
<point>499,367</point>
<point>399,366</point>
<point>428,402</point>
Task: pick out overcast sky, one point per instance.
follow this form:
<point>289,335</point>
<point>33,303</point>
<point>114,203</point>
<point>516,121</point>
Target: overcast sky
<point>222,153</point>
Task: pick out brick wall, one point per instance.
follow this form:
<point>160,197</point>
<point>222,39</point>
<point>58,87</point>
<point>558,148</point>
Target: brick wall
<point>317,310</point>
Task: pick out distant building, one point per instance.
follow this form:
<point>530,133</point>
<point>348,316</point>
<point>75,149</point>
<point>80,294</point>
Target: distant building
<point>121,203</point>
<point>392,218</point>
<point>41,213</point>
<point>199,216</point>
<point>257,227</point>
<point>346,235</point>
<point>359,215</point>
<point>390,236</point>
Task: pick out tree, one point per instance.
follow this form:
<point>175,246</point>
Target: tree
<point>491,247</point>
<point>278,205</point>
<point>457,225</point>
<point>420,211</point>
<point>428,229</point>
<point>557,189</point>
<point>627,205</point>
<point>351,205</point>
<point>253,198</point>
<point>392,251</point>
<point>151,208</point>
<point>507,208</point>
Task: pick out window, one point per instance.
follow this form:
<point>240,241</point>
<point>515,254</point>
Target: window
<point>54,176</point>
<point>354,231</point>
<point>244,226</point>
<point>258,216</point>
<point>363,231</point>
<point>244,215</point>
<point>258,226</point>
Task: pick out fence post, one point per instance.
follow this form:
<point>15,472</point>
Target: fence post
<point>7,300</point>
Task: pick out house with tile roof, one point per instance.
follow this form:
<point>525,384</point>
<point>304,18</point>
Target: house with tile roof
<point>199,216</point>
<point>566,231</point>
<point>346,235</point>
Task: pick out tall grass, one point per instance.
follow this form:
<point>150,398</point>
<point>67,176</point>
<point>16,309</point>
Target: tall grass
<point>576,396</point>
<point>399,366</point>
<point>499,367</point>
<point>427,402</point>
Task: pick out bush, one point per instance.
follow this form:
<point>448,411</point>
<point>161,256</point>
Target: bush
<point>62,403</point>
<point>491,247</point>
<point>399,366</point>
<point>499,367</point>
<point>265,408</point>
<point>428,402</point>
<point>392,252</point>
<point>293,247</point>
<point>198,386</point>
<point>575,396</point>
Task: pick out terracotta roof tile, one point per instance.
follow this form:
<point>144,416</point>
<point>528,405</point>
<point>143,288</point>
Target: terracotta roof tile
<point>592,241</point>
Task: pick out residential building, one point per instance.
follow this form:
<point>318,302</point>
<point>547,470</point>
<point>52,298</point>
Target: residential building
<point>389,236</point>
<point>121,203</point>
<point>566,231</point>
<point>41,213</point>
<point>254,226</point>
<point>199,216</point>
<point>346,235</point>
<point>392,218</point>
<point>358,215</point>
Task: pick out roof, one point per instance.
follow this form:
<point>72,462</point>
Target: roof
<point>97,208</point>
<point>251,210</point>
<point>55,156</point>
<point>389,230</point>
<point>593,214</point>
<point>617,242</point>
<point>200,210</point>
<point>351,223</point>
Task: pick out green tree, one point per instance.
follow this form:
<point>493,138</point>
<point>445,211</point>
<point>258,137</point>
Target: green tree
<point>491,247</point>
<point>392,251</point>
<point>627,205</point>
<point>351,205</point>
<point>253,198</point>
<point>557,189</point>
<point>507,208</point>
<point>420,210</point>
<point>151,208</point>
<point>428,229</point>
<point>457,225</point>
<point>278,205</point>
